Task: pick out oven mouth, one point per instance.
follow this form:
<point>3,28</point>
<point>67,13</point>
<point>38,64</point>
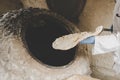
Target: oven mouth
<point>70,9</point>
<point>39,34</point>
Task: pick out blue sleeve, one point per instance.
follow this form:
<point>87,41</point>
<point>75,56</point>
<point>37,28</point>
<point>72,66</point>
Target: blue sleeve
<point>89,40</point>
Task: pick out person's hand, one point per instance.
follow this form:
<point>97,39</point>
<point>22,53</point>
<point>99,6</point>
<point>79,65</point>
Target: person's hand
<point>90,36</point>
<point>89,40</point>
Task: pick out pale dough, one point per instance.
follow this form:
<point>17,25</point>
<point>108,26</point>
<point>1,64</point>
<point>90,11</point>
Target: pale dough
<point>69,41</point>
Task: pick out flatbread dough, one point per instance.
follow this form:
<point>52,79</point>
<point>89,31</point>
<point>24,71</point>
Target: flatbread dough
<point>69,41</point>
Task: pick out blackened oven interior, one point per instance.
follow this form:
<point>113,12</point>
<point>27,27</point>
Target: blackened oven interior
<point>41,31</point>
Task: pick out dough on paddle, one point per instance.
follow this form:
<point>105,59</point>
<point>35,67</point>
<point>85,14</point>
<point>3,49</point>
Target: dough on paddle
<point>66,42</point>
<point>69,41</point>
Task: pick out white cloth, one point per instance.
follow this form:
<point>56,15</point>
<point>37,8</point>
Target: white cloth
<point>106,44</point>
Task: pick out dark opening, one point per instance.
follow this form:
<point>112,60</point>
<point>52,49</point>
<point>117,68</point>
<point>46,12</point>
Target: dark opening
<point>70,9</point>
<point>41,31</point>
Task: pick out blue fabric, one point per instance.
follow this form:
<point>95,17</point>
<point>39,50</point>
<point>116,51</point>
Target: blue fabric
<point>89,40</point>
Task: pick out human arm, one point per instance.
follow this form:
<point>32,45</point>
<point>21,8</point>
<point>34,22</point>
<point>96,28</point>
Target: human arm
<point>103,44</point>
<point>89,40</point>
<point>106,43</point>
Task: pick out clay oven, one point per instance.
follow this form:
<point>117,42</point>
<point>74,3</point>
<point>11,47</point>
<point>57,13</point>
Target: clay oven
<point>26,39</point>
